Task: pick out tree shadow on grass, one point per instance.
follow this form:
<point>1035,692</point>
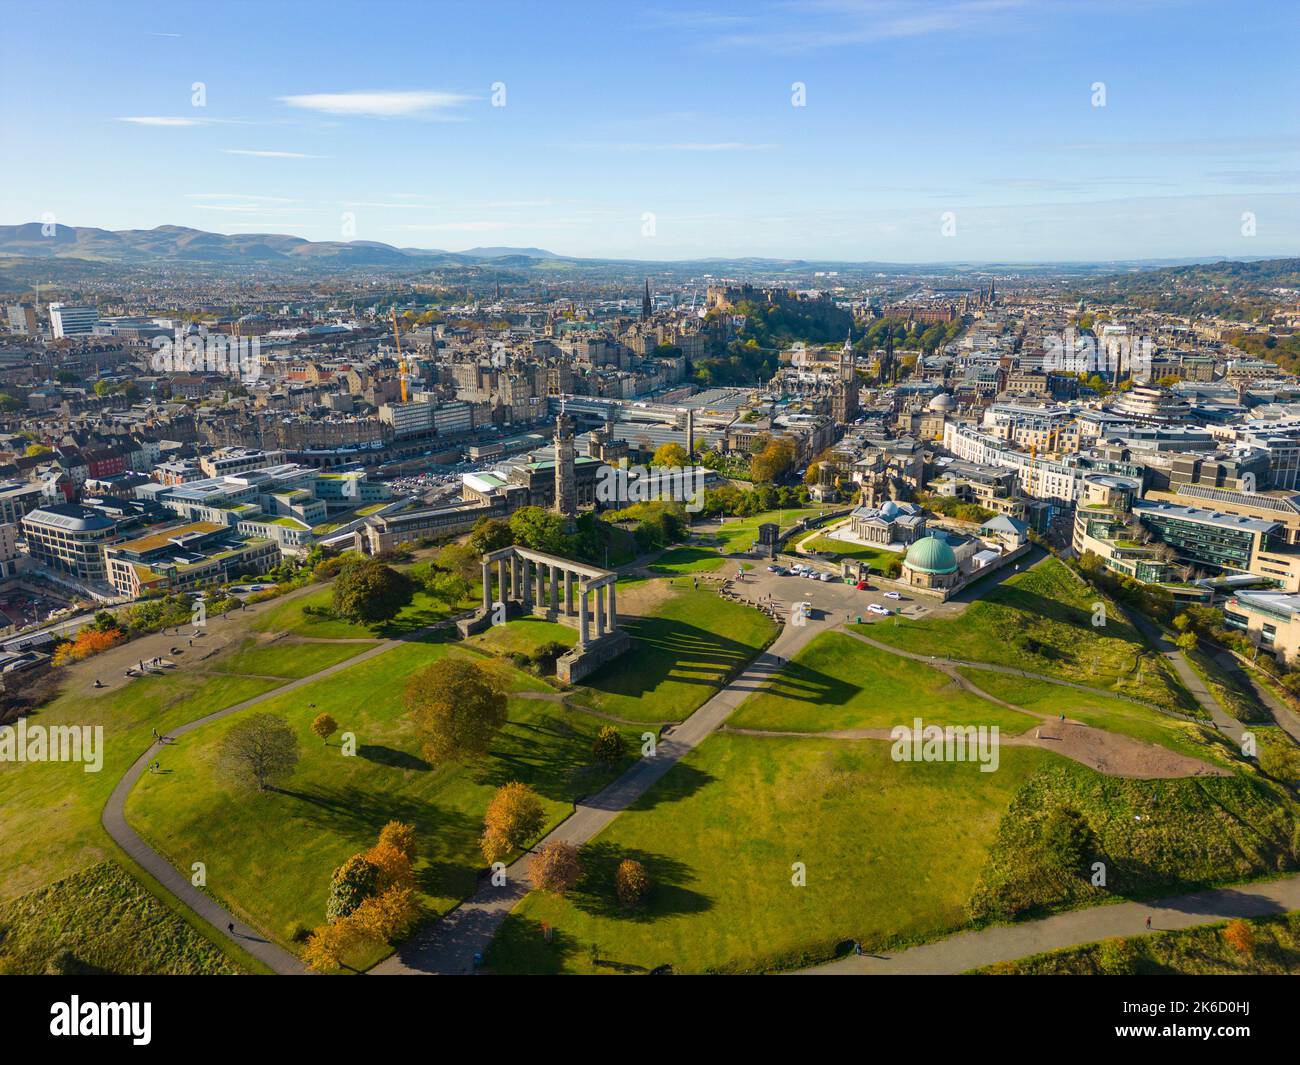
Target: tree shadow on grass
<point>667,649</point>
<point>521,946</point>
<point>390,756</point>
<point>669,894</point>
<point>359,814</point>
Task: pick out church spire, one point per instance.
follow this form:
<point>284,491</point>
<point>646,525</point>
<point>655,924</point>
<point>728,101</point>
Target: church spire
<point>646,305</point>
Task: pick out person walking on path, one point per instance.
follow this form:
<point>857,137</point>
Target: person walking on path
<point>1148,922</point>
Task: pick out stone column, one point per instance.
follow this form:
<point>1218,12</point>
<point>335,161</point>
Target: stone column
<point>600,611</point>
<point>554,599</point>
<point>613,606</point>
<point>542,577</point>
<point>568,593</point>
<point>487,586</point>
<point>527,582</point>
<point>503,590</point>
<point>582,617</point>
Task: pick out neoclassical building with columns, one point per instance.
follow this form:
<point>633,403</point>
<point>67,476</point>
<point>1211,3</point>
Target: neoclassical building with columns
<point>560,590</point>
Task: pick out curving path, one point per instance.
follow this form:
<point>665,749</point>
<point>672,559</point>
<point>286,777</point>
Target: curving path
<point>972,950</point>
<point>115,824</point>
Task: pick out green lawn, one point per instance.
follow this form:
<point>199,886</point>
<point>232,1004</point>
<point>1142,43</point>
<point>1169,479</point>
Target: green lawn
<point>1040,620</point>
<point>837,682</point>
<point>523,636</point>
<point>288,658</point>
<point>288,616</point>
<point>1111,713</point>
<point>875,557</point>
<point>269,857</point>
<point>682,652</point>
<point>49,811</point>
<point>892,852</point>
<point>109,923</point>
<point>708,552</point>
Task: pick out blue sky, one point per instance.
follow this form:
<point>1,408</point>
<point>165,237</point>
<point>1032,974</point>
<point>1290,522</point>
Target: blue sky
<point>376,121</point>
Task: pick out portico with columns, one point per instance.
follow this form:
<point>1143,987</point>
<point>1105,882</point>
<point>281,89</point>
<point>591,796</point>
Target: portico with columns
<point>560,590</point>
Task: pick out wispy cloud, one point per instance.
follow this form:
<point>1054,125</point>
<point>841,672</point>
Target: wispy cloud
<point>678,146</point>
<point>162,120</point>
<point>244,197</point>
<point>372,104</point>
<point>271,155</point>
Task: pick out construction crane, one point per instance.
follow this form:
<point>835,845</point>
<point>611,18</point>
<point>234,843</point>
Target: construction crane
<point>401,361</point>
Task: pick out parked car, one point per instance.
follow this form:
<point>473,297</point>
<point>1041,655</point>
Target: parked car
<point>826,578</point>
<point>876,608</point>
<point>892,595</point>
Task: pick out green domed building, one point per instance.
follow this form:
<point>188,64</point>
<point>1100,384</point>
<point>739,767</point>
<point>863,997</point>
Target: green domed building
<point>930,563</point>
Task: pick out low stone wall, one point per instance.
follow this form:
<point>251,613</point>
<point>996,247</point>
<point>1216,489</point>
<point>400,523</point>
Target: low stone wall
<point>578,663</point>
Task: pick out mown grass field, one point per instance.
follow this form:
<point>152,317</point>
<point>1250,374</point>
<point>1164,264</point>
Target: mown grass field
<point>523,636</point>
<point>109,923</point>
<point>1041,620</point>
<point>269,856</point>
<point>891,850</point>
<point>708,552</point>
<point>1199,951</point>
<point>837,682</point>
<point>289,658</point>
<point>49,811</point>
<point>875,557</point>
<point>683,650</point>
<point>1115,714</point>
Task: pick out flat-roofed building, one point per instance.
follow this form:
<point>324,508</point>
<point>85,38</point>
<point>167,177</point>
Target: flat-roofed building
<point>70,538</point>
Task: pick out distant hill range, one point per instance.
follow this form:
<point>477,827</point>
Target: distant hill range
<point>181,244</point>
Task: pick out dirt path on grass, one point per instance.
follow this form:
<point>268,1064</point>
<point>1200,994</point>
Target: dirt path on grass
<point>1105,752</point>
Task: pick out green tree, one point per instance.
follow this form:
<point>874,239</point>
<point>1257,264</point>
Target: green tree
<point>352,883</point>
<point>367,591</point>
<point>258,751</point>
<point>610,747</point>
<point>458,709</point>
<point>490,534</point>
<point>539,529</point>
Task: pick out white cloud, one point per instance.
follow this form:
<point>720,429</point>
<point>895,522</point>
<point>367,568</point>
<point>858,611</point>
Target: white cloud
<point>270,155</point>
<point>376,104</point>
<point>162,120</point>
<point>682,146</point>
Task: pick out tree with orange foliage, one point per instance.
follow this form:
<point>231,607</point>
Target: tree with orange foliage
<point>556,867</point>
<point>89,641</point>
<point>394,867</point>
<point>400,835</point>
<point>514,816</point>
<point>330,944</point>
<point>631,883</point>
<point>1240,937</point>
<point>388,916</point>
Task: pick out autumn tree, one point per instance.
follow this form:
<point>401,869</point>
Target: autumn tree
<point>1240,937</point>
<point>610,747</point>
<point>670,454</point>
<point>258,751</point>
<point>401,836</point>
<point>458,708</point>
<point>1186,641</point>
<point>556,867</point>
<point>324,726</point>
<point>329,945</point>
<point>631,883</point>
<point>773,461</point>
<point>387,916</point>
<point>367,591</point>
<point>514,816</point>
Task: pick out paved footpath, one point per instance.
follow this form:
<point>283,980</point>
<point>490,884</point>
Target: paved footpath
<point>970,950</point>
<point>450,944</point>
<point>115,824</point>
